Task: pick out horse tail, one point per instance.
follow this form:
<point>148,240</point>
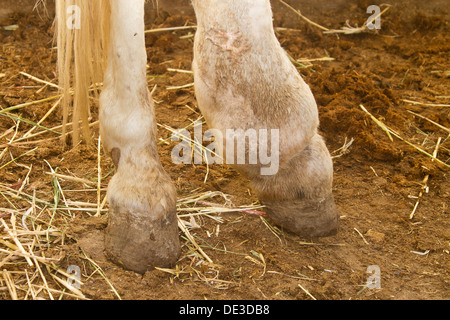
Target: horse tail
<point>83,33</point>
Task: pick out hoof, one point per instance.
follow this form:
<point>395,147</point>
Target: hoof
<point>142,235</point>
<point>140,241</point>
<point>306,218</point>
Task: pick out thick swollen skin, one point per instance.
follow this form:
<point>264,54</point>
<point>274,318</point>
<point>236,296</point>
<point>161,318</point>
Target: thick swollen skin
<point>245,80</point>
<point>299,196</point>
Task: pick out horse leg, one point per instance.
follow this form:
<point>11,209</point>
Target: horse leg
<point>142,229</point>
<point>245,80</point>
<point>299,196</point>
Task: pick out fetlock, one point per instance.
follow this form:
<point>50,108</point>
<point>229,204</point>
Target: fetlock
<point>299,197</point>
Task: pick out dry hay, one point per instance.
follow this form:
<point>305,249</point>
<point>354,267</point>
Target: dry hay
<point>33,230</point>
<point>35,227</point>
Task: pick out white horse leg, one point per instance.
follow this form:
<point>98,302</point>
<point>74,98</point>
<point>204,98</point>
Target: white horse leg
<point>245,80</point>
<point>299,197</point>
<point>142,230</point>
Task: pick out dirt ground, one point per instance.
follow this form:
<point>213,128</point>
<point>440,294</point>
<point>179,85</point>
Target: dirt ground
<point>403,68</point>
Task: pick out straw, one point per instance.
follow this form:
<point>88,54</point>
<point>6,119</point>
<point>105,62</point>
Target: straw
<point>303,17</point>
<point>424,183</point>
<point>390,132</point>
<point>306,291</point>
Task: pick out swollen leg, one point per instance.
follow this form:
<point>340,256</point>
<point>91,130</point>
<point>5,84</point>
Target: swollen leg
<point>299,197</point>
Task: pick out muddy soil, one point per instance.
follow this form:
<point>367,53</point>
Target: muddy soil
<point>377,179</point>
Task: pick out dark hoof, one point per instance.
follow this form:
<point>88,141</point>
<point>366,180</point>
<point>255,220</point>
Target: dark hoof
<point>306,218</point>
<point>140,240</point>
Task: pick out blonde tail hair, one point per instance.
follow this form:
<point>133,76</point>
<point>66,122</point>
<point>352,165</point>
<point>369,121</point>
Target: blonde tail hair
<point>83,33</point>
